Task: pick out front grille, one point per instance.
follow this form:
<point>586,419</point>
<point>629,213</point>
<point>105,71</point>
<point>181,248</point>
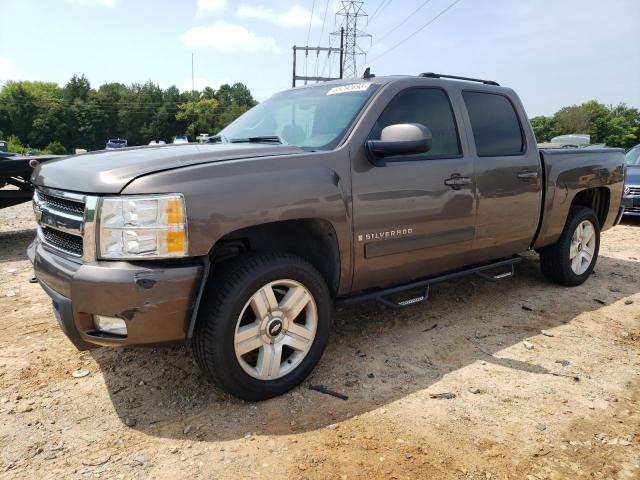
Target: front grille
<point>61,219</point>
<point>61,204</point>
<point>632,210</point>
<point>63,241</point>
<point>634,191</point>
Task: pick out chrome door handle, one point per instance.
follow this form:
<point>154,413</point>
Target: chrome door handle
<point>525,175</point>
<point>457,181</point>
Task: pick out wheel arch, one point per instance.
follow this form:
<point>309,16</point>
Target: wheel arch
<point>556,214</point>
<point>595,198</point>
<point>312,239</point>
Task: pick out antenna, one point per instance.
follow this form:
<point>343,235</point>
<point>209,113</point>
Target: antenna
<point>352,15</point>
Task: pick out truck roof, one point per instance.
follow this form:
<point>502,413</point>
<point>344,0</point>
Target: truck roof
<point>429,78</point>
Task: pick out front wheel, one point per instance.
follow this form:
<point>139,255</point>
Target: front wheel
<point>263,325</point>
<point>572,258</point>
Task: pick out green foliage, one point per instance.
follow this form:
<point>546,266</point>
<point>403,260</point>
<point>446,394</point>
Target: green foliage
<point>15,145</point>
<point>543,128</point>
<point>617,126</point>
<point>55,148</point>
<point>46,116</point>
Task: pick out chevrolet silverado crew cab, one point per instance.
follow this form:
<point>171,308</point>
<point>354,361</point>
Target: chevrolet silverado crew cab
<point>350,190</point>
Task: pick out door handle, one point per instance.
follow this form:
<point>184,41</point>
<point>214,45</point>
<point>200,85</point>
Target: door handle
<point>457,181</point>
<point>526,175</point>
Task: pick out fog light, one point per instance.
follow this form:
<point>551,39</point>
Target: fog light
<point>112,325</point>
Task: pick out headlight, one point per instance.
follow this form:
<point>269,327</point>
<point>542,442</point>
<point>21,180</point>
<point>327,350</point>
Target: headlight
<point>134,227</point>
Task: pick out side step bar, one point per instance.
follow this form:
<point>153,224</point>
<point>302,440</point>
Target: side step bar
<point>380,295</point>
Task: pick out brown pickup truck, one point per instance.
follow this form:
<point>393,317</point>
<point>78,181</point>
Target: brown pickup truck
<point>333,193</point>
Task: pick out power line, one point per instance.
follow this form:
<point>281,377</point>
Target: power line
<point>313,7</point>
<point>417,31</point>
<point>384,4</point>
<point>328,58</point>
<point>375,12</point>
<point>324,21</point>
<point>408,17</point>
<point>306,53</point>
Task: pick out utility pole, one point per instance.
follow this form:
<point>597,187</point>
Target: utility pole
<point>317,50</point>
<point>193,89</point>
<point>352,15</point>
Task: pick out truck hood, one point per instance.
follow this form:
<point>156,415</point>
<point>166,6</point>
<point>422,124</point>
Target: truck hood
<point>109,171</point>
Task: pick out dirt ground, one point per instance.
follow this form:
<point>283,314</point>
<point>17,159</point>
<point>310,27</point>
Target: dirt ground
<point>563,403</point>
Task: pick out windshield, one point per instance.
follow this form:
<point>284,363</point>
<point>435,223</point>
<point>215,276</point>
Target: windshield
<point>314,118</point>
<point>633,156</point>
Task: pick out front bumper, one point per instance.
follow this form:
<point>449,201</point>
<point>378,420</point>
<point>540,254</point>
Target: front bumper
<point>631,205</point>
<point>155,300</point>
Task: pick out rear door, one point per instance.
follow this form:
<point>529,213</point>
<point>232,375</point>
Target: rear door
<point>410,218</point>
<point>508,174</point>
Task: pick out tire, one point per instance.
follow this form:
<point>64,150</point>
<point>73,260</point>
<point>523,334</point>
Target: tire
<point>558,262</point>
<point>238,314</point>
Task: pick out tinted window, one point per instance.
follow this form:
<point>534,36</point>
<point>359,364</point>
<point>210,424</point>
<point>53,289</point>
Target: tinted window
<point>431,108</point>
<point>495,125</point>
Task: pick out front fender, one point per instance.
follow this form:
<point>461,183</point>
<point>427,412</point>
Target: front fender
<point>224,197</point>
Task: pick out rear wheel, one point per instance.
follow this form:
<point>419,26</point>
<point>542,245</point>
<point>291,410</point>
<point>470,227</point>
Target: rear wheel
<point>263,326</point>
<point>572,258</point>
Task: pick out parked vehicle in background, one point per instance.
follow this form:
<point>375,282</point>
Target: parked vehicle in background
<point>180,139</point>
<point>328,194</point>
<point>157,142</point>
<point>114,143</point>
<point>203,138</point>
<point>3,146</point>
<point>632,184</point>
<point>15,170</point>
<point>572,140</point>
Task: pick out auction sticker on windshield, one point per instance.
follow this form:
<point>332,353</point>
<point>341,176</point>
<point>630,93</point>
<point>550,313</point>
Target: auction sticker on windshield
<point>352,87</point>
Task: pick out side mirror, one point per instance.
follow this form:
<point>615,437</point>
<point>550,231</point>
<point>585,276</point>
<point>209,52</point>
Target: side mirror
<point>400,139</point>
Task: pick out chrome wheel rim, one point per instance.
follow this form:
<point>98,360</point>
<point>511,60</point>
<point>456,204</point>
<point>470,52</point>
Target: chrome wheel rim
<point>276,329</point>
<point>583,247</point>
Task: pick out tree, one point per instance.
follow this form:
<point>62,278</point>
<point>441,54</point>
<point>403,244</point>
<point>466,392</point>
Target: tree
<point>574,119</point>
<point>200,116</point>
<point>55,148</point>
<point>543,128</point>
<point>614,126</point>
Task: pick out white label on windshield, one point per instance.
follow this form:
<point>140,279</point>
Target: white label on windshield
<point>352,87</point>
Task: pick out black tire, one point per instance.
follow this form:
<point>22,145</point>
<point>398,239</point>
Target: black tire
<point>555,260</point>
<point>228,291</point>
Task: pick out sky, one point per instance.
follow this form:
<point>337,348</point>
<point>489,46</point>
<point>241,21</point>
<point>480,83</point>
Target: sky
<point>554,53</point>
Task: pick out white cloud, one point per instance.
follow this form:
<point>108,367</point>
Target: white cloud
<point>9,70</point>
<point>228,38</point>
<point>200,83</point>
<point>206,7</point>
<point>296,16</point>
<point>100,3</point>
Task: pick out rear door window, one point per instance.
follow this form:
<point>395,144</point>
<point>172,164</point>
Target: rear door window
<point>429,107</point>
<point>496,128</point>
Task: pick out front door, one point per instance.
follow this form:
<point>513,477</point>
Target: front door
<point>413,217</point>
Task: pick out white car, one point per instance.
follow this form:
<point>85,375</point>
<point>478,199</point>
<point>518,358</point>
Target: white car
<point>180,139</point>
<point>157,142</point>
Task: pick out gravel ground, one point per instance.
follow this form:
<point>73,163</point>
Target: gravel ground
<point>545,383</point>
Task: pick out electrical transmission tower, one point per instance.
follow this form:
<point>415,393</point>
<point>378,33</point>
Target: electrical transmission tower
<point>352,15</point>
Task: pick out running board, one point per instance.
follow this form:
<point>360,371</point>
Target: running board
<point>380,295</point>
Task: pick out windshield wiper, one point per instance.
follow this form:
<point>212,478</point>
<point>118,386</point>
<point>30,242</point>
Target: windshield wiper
<point>218,139</point>
<point>260,139</point>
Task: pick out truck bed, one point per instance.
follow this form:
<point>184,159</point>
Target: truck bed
<point>567,171</point>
